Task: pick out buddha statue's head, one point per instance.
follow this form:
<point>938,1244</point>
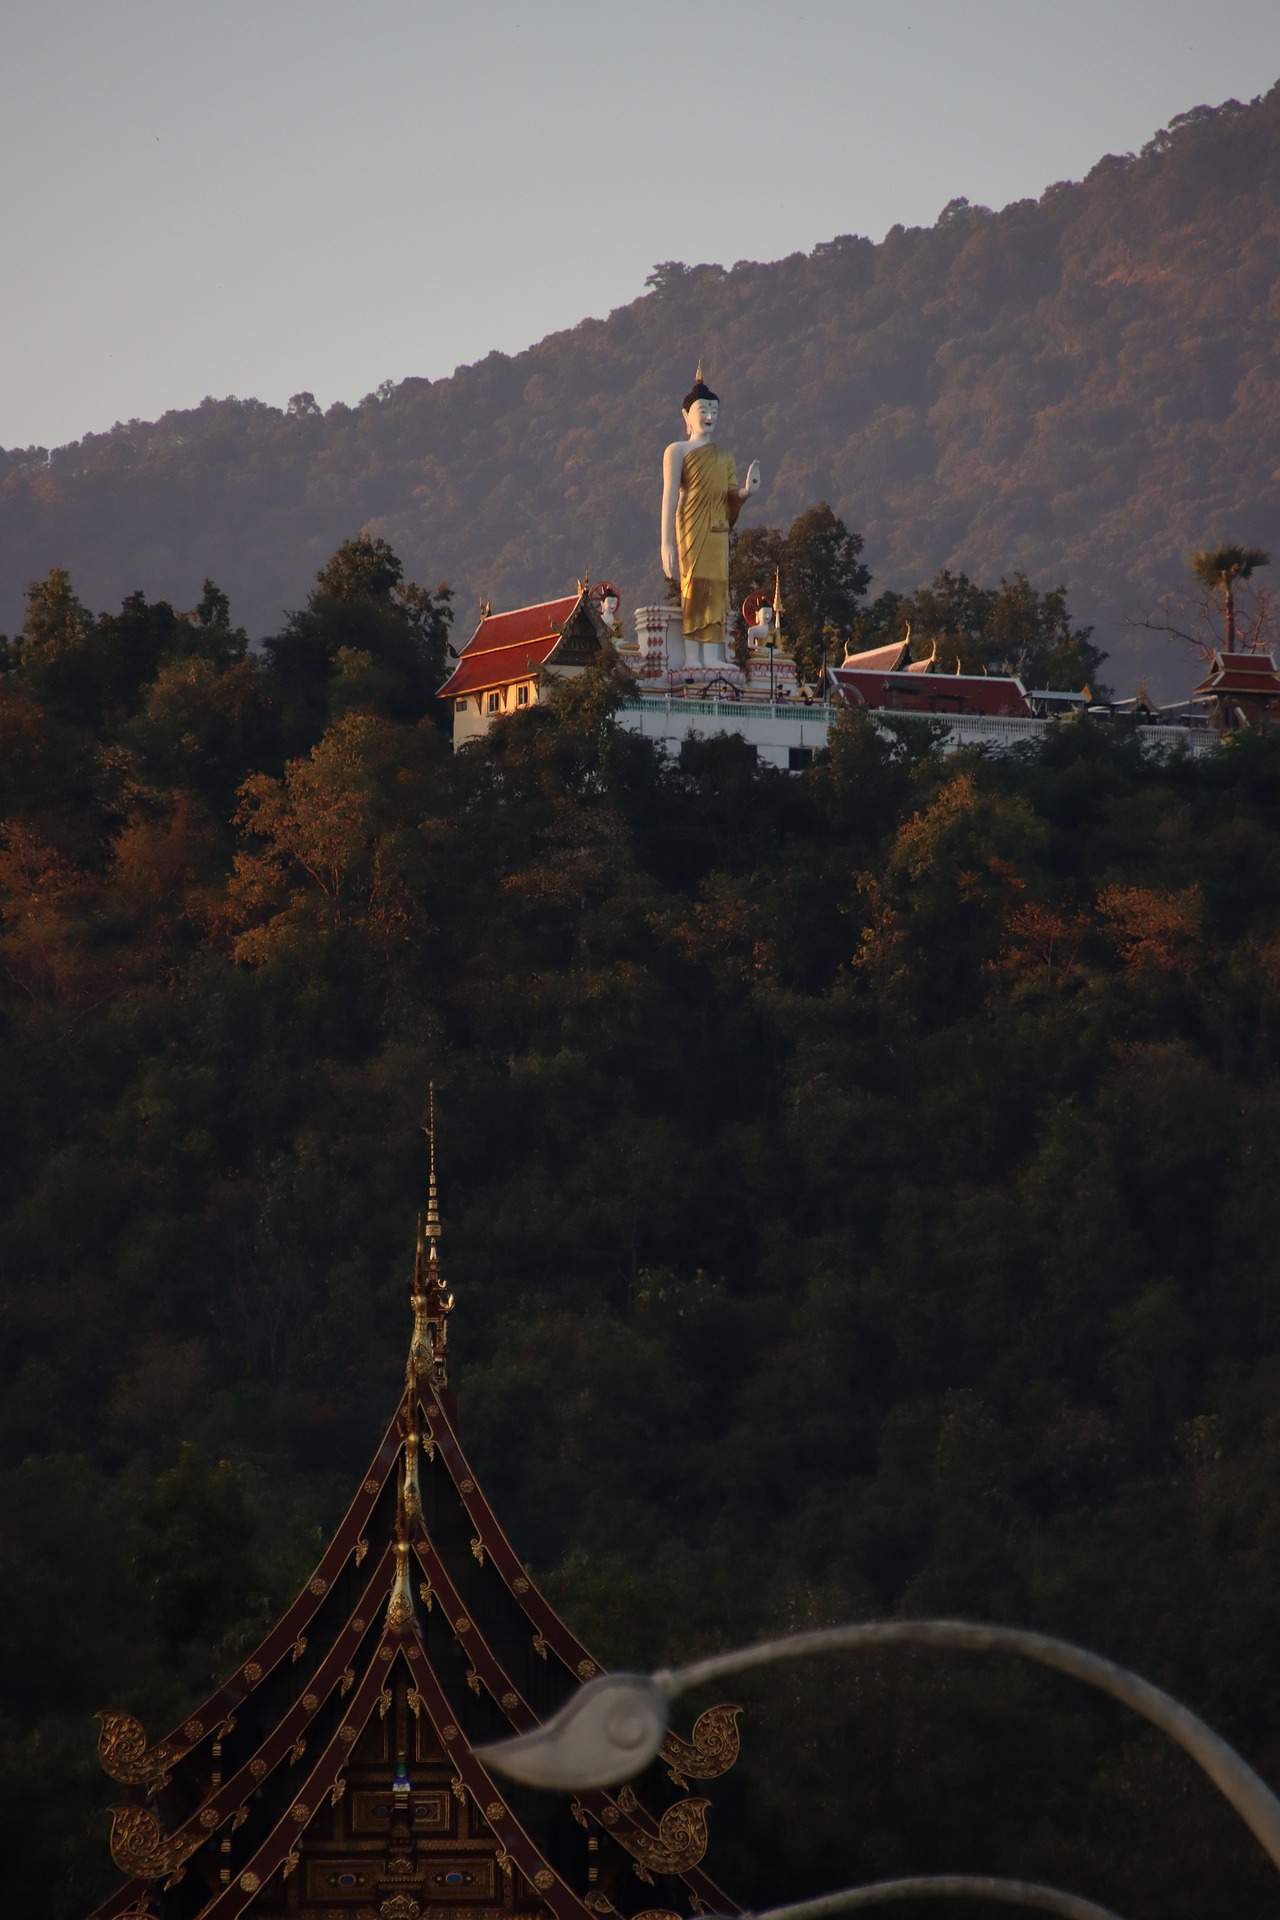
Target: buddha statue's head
<point>701,408</point>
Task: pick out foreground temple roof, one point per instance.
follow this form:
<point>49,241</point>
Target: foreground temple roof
<point>335,1773</point>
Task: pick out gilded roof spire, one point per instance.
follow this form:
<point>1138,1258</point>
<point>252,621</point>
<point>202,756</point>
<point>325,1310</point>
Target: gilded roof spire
<point>433,1197</point>
<point>431,1300</point>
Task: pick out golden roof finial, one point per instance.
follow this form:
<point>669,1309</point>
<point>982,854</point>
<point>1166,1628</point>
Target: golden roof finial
<point>433,1198</point>
<point>431,1300</point>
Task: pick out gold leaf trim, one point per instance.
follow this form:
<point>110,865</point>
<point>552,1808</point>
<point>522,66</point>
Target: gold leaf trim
<point>713,1749</point>
<point>124,1754</point>
<point>678,1845</point>
<point>141,1847</point>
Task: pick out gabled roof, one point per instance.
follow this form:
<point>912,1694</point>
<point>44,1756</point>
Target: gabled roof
<point>939,694</point>
<point>1239,673</point>
<point>878,659</point>
<point>506,645</point>
<point>346,1749</point>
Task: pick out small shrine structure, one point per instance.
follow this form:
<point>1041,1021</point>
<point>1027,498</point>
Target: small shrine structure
<point>1239,690</point>
<point>335,1775</point>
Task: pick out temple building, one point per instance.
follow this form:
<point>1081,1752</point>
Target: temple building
<point>752,686</point>
<point>502,668</point>
<point>1239,690</point>
<point>335,1774</point>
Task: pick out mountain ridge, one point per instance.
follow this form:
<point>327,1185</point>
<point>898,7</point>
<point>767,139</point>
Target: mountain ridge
<point>1080,386</point>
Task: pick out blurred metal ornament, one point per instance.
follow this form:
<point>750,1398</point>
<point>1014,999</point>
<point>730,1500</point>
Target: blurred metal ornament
<point>947,1886</point>
<point>608,1731</point>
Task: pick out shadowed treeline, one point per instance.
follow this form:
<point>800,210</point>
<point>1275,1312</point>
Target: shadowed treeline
<point>858,1198</point>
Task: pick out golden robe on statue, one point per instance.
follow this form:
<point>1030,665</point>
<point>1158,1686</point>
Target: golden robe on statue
<point>707,479</point>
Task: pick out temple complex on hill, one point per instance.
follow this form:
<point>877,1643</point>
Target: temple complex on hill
<point>512,657</point>
<point>335,1774</point>
<point>698,665</point>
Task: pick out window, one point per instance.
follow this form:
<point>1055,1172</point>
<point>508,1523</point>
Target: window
<point>461,704</point>
<point>495,703</point>
<point>522,696</point>
<point>798,758</point>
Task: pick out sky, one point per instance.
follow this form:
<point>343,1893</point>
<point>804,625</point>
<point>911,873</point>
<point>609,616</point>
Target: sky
<point>214,196</point>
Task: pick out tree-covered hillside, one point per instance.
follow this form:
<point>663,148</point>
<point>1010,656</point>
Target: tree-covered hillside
<point>859,1201</point>
<point>1082,387</point>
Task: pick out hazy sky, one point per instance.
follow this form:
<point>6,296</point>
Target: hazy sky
<point>258,196</point>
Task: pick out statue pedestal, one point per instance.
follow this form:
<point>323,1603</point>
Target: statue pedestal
<point>662,649</point>
<point>760,677</point>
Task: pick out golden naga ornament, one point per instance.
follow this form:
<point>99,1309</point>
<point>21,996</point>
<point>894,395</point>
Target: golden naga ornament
<point>125,1755</point>
<point>715,1746</point>
<point>400,1614</point>
<point>678,1845</point>
<point>140,1846</point>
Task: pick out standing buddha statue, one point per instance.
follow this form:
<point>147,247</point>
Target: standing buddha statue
<point>701,500</point>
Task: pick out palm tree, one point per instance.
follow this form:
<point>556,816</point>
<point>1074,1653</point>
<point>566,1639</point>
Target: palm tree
<point>1218,569</point>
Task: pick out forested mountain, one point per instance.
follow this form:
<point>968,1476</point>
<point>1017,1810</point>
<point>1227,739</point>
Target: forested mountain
<point>858,1193</point>
<point>1083,387</point>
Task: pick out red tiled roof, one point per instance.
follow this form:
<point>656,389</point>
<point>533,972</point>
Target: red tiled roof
<point>1239,673</point>
<point>505,645</point>
<point>939,694</point>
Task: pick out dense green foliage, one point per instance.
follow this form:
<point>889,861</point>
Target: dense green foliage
<point>1082,386</point>
<point>858,1199</point>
